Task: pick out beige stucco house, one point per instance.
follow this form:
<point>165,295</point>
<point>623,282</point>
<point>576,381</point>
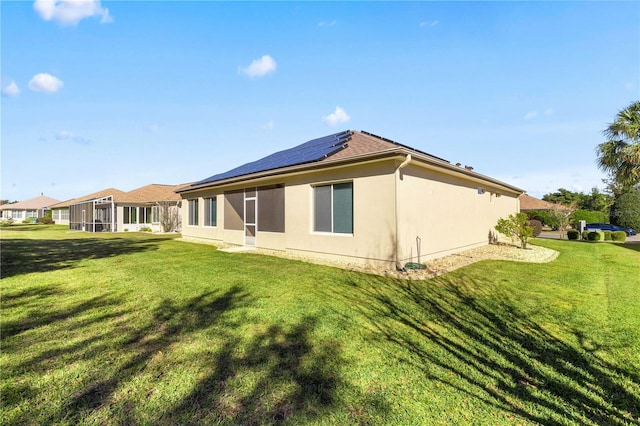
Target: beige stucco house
<point>60,211</point>
<point>32,208</point>
<point>351,197</point>
<point>113,210</point>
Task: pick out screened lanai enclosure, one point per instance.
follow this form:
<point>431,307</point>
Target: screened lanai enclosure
<point>96,215</point>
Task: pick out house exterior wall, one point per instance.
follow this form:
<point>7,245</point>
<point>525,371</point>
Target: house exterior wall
<point>60,216</point>
<point>373,210</point>
<point>447,213</point>
<point>390,209</point>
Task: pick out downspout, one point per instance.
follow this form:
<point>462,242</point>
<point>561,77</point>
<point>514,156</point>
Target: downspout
<point>402,165</point>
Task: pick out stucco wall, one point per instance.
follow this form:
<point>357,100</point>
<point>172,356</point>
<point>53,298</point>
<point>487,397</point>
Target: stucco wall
<point>444,211</point>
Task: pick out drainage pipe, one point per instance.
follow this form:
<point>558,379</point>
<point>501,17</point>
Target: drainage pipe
<point>402,165</point>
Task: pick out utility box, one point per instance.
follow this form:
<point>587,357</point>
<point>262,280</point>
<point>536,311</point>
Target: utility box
<point>582,226</point>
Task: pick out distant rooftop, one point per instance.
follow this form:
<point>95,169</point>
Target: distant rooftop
<point>31,204</point>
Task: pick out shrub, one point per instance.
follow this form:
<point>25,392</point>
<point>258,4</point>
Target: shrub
<point>626,210</point>
<point>589,216</point>
<point>46,220</point>
<point>536,225</point>
<point>145,229</point>
<point>607,235</point>
<point>594,236</point>
<point>572,234</point>
<point>585,234</point>
<point>515,226</point>
<point>545,217</point>
<point>6,221</point>
<point>619,236</point>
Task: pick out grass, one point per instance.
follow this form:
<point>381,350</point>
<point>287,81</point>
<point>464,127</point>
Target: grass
<point>142,329</point>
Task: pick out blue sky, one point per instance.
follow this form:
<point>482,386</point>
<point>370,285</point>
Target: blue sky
<point>123,94</point>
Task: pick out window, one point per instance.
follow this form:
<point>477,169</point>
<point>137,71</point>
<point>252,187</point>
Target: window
<point>333,208</point>
<point>145,214</point>
<point>210,211</point>
<point>193,212</point>
<point>130,215</point>
<point>32,213</point>
<point>155,214</point>
<point>16,214</point>
<point>64,214</point>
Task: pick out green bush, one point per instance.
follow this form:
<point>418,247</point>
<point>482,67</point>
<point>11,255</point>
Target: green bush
<point>607,235</point>
<point>572,234</point>
<point>46,220</point>
<point>619,236</point>
<point>515,226</point>
<point>545,217</point>
<point>589,216</point>
<point>536,225</point>
<point>626,210</point>
<point>595,236</point>
<point>585,234</point>
<point>145,229</point>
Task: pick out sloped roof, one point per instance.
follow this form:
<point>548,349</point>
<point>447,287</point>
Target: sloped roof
<point>349,146</point>
<point>104,193</point>
<point>527,202</point>
<point>150,193</point>
<point>31,204</point>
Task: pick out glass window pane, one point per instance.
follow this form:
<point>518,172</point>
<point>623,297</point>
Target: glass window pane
<point>322,208</point>
<point>343,208</point>
<point>213,214</point>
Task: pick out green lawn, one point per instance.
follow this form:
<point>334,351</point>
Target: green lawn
<point>142,329</point>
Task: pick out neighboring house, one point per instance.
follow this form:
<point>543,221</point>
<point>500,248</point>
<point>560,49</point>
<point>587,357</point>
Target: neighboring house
<point>112,210</point>
<point>60,211</point>
<point>528,203</point>
<point>152,206</point>
<point>350,197</point>
<point>33,208</point>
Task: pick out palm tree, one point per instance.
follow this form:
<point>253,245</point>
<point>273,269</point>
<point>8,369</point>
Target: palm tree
<point>620,154</point>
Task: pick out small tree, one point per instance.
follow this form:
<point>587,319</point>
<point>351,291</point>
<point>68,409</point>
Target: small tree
<point>562,215</point>
<point>169,217</point>
<point>515,226</point>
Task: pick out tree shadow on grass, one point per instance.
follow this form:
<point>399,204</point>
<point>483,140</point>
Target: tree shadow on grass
<point>269,377</point>
<point>297,377</point>
<point>478,343</point>
<point>23,256</point>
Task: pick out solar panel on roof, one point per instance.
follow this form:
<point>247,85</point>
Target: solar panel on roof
<point>313,150</point>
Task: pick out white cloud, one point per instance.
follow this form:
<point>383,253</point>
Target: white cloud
<point>11,89</point>
<point>70,12</point>
<point>153,127</point>
<point>269,125</point>
<point>63,135</point>
<point>534,114</point>
<point>327,24</point>
<point>44,82</point>
<point>336,117</point>
<point>428,24</point>
<point>259,67</point>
